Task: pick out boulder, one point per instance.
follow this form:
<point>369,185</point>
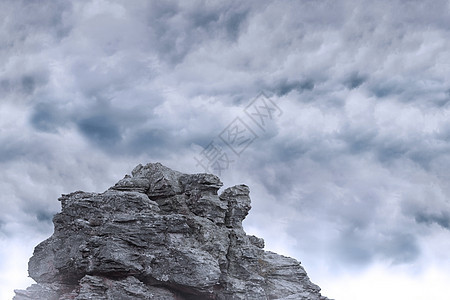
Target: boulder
<point>161,234</point>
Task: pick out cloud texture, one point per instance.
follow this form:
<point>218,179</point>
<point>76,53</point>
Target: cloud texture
<point>352,178</point>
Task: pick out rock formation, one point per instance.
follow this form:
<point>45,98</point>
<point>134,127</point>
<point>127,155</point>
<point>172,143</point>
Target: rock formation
<point>160,234</point>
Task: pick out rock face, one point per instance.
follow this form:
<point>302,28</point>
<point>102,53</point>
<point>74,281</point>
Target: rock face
<point>160,234</point>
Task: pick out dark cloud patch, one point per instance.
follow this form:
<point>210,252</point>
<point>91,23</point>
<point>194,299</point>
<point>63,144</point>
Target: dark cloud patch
<point>49,16</point>
<point>111,126</point>
<point>101,129</point>
<point>277,182</point>
<point>291,150</point>
<point>442,219</point>
<point>387,148</point>
<point>386,88</point>
<point>44,216</point>
<point>234,23</point>
<point>359,140</point>
<point>355,80</point>
<point>400,248</point>
<point>422,14</point>
<point>306,85</point>
<point>358,246</point>
<point>162,10</point>
<point>11,150</point>
<point>227,19</point>
<point>173,33</point>
<point>425,152</point>
<point>28,84</point>
<point>154,141</point>
<point>390,150</point>
<point>354,248</point>
<point>443,133</point>
<point>23,83</point>
<point>422,157</point>
<point>5,86</point>
<point>3,233</point>
<point>285,86</point>
<point>180,30</point>
<point>36,211</point>
<point>43,119</point>
<point>204,18</point>
<point>46,117</point>
<point>46,17</point>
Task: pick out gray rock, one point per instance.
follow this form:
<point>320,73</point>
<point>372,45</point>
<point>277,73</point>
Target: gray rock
<point>161,234</point>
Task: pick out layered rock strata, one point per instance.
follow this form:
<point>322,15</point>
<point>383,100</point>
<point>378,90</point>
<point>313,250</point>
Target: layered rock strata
<point>160,234</point>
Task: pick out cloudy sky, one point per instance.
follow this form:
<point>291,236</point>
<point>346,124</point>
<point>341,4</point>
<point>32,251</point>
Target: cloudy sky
<point>349,172</point>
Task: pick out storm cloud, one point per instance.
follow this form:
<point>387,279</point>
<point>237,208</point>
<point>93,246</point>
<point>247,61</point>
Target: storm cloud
<point>352,174</point>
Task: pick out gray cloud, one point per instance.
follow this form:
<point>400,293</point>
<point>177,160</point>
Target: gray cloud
<point>442,219</point>
<point>285,87</point>
<point>354,80</point>
<point>353,173</point>
<point>45,118</point>
<point>100,129</point>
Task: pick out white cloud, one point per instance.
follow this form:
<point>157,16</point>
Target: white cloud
<point>379,282</point>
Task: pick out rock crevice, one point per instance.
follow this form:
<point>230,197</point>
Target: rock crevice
<point>161,234</point>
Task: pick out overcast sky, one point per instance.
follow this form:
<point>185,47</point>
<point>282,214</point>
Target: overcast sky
<point>349,172</point>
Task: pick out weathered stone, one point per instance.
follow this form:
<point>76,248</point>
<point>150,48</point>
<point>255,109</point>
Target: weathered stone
<point>238,200</point>
<point>161,234</point>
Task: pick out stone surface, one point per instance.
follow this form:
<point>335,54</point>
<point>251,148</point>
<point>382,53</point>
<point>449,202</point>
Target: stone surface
<point>161,234</point>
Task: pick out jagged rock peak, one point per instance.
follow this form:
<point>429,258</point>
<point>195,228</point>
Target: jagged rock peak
<point>160,234</point>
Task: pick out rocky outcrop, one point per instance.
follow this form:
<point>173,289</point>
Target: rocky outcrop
<point>160,234</point>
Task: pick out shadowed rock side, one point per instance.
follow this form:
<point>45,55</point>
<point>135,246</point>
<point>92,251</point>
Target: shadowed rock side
<point>160,234</point>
